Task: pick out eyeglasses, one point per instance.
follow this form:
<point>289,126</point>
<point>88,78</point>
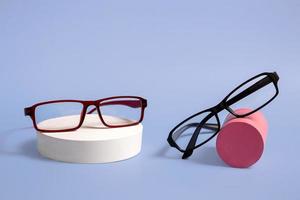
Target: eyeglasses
<point>69,115</point>
<point>201,127</point>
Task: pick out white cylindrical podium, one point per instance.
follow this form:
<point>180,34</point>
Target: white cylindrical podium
<point>92,143</point>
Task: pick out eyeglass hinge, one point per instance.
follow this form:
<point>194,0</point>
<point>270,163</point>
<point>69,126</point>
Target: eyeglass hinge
<point>171,142</point>
<point>144,103</point>
<point>275,77</point>
<point>27,111</point>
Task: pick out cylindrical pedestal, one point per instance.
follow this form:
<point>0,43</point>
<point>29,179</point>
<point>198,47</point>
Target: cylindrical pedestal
<point>92,143</point>
<point>240,142</point>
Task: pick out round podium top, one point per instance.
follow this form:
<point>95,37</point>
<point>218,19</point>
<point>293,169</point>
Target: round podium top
<point>92,129</point>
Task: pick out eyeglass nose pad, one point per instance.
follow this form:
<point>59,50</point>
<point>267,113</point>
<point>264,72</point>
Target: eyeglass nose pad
<point>92,117</point>
<point>90,109</point>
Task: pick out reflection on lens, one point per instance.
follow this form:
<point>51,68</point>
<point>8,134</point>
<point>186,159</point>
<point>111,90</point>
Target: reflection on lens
<point>183,134</point>
<point>58,116</point>
<point>125,111</point>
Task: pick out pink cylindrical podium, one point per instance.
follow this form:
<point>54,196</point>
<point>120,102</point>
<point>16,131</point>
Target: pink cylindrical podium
<point>240,142</point>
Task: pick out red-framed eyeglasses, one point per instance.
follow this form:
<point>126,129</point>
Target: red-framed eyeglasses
<point>69,115</point>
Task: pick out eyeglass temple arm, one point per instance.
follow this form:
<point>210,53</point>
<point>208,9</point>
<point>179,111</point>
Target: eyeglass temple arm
<point>209,126</point>
<point>129,103</point>
<point>256,86</point>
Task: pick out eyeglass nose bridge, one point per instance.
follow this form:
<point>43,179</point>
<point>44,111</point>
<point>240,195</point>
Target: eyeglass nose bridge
<point>89,104</point>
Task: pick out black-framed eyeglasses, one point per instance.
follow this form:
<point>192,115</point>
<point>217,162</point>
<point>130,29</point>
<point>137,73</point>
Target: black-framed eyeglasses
<point>253,94</point>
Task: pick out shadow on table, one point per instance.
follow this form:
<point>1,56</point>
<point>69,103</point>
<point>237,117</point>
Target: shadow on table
<point>205,155</point>
<point>23,147</point>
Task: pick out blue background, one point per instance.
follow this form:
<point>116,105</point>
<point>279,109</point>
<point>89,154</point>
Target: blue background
<point>183,56</point>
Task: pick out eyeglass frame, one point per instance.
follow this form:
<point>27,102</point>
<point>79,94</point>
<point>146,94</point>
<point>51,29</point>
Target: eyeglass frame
<point>213,112</point>
<point>30,111</point>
